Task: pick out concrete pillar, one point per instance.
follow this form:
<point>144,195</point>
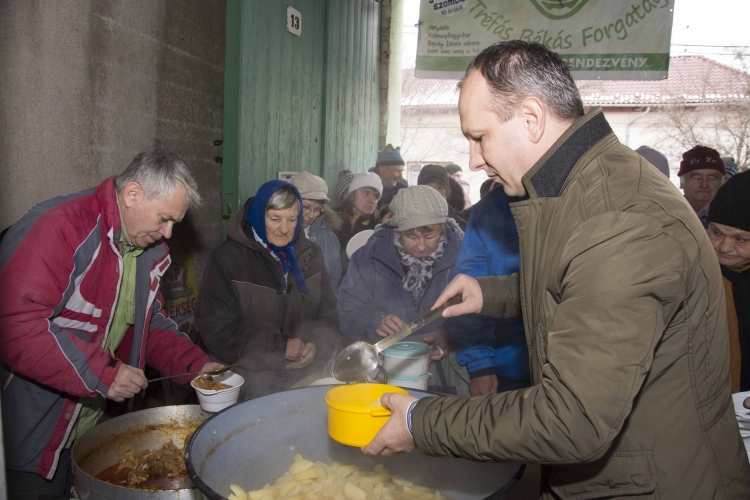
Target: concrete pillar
<point>391,48</point>
<point>84,86</point>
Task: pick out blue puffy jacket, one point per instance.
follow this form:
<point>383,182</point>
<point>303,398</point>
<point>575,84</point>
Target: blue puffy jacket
<point>372,287</point>
<point>490,345</point>
<point>321,231</point>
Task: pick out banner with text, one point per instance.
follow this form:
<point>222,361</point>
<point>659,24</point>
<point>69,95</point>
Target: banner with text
<point>600,39</point>
<point>181,295</point>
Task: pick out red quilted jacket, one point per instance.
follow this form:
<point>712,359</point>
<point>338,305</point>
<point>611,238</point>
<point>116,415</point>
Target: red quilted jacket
<point>60,272</point>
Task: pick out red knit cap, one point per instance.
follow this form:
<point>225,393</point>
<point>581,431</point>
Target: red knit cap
<point>701,157</point>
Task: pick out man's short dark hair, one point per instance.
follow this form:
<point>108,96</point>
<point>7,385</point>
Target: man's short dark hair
<point>516,70</point>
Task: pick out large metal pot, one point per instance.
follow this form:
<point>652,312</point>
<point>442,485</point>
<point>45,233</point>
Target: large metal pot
<point>105,444</point>
<point>254,443</point>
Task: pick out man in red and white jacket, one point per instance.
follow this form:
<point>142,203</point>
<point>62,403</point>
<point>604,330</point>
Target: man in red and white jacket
<point>79,317</point>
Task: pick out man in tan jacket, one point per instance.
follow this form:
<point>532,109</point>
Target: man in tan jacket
<point>622,302</point>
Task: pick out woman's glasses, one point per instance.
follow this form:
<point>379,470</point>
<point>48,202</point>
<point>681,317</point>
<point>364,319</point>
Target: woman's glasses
<point>318,211</point>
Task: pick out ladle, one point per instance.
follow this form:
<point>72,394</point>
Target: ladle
<point>360,359</point>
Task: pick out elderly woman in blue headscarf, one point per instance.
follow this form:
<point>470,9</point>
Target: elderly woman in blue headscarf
<point>266,301</point>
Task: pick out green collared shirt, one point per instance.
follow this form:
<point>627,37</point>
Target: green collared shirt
<point>123,318</point>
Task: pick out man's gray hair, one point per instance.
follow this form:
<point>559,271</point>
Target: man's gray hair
<point>282,199</point>
<point>159,172</point>
<point>516,70</point>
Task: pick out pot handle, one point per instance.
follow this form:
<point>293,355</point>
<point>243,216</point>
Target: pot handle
<point>435,348</point>
<point>385,413</point>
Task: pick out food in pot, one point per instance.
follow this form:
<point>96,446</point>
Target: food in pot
<point>207,384</point>
<point>308,480</point>
<point>145,469</point>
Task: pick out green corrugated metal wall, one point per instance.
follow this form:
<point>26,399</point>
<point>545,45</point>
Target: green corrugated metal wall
<point>294,104</point>
<point>352,87</point>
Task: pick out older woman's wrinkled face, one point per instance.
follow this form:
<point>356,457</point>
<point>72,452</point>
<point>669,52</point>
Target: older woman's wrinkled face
<point>732,245</point>
<point>422,241</point>
<point>365,201</point>
<point>311,210</point>
<point>281,224</point>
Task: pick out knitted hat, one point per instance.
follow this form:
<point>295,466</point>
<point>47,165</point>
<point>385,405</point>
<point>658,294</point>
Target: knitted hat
<point>456,195</point>
<point>701,157</point>
<point>310,187</point>
<point>366,179</point>
<point>731,205</point>
<point>452,168</point>
<point>730,165</point>
<point>342,185</point>
<point>655,158</point>
<point>434,174</point>
<point>418,206</point>
<point>389,156</point>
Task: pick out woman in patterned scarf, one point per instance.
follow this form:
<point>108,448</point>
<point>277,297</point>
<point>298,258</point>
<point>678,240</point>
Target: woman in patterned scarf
<point>398,274</point>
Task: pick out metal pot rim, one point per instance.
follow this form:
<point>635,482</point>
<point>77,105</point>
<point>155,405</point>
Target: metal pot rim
<point>124,489</point>
<point>209,493</point>
<point>192,473</point>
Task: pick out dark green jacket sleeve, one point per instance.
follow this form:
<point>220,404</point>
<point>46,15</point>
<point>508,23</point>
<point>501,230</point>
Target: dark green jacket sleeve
<point>620,280</point>
<point>501,295</point>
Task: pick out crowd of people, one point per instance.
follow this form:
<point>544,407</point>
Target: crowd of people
<point>592,317</point>
<point>415,245</point>
<point>253,312</point>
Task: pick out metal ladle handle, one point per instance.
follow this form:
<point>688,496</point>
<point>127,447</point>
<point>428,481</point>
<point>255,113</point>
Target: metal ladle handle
<point>218,371</point>
<point>416,325</point>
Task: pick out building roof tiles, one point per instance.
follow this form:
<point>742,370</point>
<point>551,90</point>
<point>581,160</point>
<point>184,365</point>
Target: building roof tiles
<point>692,80</point>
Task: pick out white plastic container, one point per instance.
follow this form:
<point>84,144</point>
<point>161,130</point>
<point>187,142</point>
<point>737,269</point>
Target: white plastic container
<point>327,381</point>
<point>213,401</point>
<point>419,382</point>
<point>406,359</point>
<point>743,417</point>
<point>358,241</point>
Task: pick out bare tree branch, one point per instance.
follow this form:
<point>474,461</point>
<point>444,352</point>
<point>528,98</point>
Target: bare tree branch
<point>723,126</point>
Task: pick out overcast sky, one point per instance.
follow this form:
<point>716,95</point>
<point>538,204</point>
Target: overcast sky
<point>696,22</point>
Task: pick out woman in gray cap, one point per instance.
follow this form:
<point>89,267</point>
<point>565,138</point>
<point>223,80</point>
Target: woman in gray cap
<point>398,274</point>
<point>319,221</point>
<point>359,209</point>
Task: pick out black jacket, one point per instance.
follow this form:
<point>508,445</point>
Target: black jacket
<point>246,314</point>
<point>456,216</point>
<point>346,231</point>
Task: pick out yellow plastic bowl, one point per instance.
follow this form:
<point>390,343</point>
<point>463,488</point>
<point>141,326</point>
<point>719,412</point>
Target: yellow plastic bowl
<point>351,419</point>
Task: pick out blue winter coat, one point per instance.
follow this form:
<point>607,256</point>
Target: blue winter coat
<point>373,289</point>
<point>490,345</point>
<point>321,232</point>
